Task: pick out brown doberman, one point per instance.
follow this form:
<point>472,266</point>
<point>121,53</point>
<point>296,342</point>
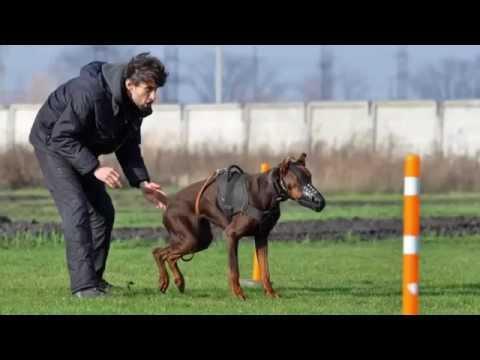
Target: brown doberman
<point>241,205</point>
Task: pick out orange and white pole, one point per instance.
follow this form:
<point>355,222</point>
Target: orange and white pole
<point>411,236</point>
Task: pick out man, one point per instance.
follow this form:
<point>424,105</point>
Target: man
<point>100,112</point>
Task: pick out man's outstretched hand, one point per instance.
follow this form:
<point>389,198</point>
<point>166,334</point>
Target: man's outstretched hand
<point>153,193</point>
<point>109,176</point>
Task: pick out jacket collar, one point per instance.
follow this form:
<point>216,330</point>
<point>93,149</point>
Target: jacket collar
<point>114,75</point>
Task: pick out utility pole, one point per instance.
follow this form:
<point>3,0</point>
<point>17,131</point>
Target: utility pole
<point>99,53</point>
<point>2,74</point>
<point>402,72</point>
<point>326,73</point>
<point>172,64</point>
<point>255,73</point>
<point>219,74</point>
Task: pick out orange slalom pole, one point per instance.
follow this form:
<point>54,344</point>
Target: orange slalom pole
<point>265,168</point>
<point>256,273</point>
<point>411,236</point>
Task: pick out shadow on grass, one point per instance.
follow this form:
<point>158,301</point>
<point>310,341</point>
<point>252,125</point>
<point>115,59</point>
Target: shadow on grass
<point>290,292</point>
<point>454,289</point>
<point>286,292</point>
<point>172,292</point>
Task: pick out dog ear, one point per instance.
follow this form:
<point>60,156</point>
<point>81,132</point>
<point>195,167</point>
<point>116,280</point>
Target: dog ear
<point>302,159</point>
<point>284,166</point>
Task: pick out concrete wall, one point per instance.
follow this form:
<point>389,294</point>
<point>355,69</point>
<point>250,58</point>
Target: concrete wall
<point>411,126</point>
<point>164,128</point>
<point>215,128</point>
<point>279,128</point>
<point>4,128</point>
<point>338,124</point>
<point>461,127</point>
<point>24,116</point>
<point>414,126</point>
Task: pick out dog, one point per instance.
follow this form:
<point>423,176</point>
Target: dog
<point>241,205</point>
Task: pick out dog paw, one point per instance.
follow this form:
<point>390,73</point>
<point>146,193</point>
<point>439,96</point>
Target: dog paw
<point>180,285</point>
<point>240,295</point>
<point>273,295</point>
<point>164,286</point>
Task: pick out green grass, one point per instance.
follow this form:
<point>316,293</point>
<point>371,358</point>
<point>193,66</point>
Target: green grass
<point>313,278</point>
<point>133,211</point>
<point>349,277</point>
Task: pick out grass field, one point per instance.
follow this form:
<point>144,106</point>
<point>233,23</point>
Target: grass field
<point>327,278</point>
<point>312,278</point>
<point>133,210</point>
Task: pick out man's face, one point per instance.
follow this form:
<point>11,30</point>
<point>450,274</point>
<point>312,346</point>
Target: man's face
<point>143,94</point>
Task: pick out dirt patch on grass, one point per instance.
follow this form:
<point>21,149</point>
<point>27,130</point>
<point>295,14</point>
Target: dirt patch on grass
<point>340,229</point>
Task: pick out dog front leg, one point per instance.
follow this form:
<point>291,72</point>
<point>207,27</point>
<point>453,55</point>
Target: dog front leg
<point>234,273</point>
<point>261,246</point>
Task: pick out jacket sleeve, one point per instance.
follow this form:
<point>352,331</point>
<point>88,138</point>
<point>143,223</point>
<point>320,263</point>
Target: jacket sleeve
<point>66,137</point>
<point>130,158</point>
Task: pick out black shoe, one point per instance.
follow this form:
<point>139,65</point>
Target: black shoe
<point>90,293</point>
<point>105,286</point>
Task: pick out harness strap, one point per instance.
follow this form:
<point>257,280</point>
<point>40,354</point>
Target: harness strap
<point>207,183</point>
<point>247,209</point>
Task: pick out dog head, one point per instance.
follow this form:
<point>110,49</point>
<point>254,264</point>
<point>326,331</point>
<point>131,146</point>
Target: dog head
<point>296,181</point>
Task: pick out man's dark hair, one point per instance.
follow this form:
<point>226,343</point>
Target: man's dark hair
<point>146,68</point>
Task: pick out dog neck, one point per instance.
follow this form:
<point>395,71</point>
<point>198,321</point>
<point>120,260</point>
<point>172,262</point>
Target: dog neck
<point>268,190</point>
<point>278,185</point>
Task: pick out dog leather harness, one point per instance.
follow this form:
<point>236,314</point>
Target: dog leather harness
<point>232,197</point>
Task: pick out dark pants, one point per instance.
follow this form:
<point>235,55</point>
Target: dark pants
<point>87,219</point>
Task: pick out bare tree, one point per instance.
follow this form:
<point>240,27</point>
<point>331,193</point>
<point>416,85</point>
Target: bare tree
<point>449,79</point>
<point>310,88</point>
<point>321,83</point>
<point>41,85</point>
<point>239,79</point>
<point>169,94</point>
<point>268,87</point>
<point>476,77</point>
<point>3,73</point>
<point>201,78</point>
<point>354,85</point>
<point>326,66</point>
<point>402,77</point>
<point>69,62</point>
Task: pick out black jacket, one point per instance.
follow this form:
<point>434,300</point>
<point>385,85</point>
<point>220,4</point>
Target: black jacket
<point>91,116</point>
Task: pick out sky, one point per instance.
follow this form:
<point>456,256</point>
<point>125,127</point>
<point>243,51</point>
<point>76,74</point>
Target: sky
<point>292,62</point>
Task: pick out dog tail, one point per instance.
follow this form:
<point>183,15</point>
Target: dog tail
<point>187,260</point>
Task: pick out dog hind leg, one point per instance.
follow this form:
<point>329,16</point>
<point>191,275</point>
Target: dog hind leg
<point>160,255</point>
<point>195,241</point>
<point>177,274</point>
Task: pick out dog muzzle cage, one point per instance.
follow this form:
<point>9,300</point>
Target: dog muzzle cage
<point>312,198</point>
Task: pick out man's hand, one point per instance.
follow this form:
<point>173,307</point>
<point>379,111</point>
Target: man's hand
<point>109,176</point>
<point>153,193</point>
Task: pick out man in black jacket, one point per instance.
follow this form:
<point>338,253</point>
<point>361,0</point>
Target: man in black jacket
<point>100,112</point>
